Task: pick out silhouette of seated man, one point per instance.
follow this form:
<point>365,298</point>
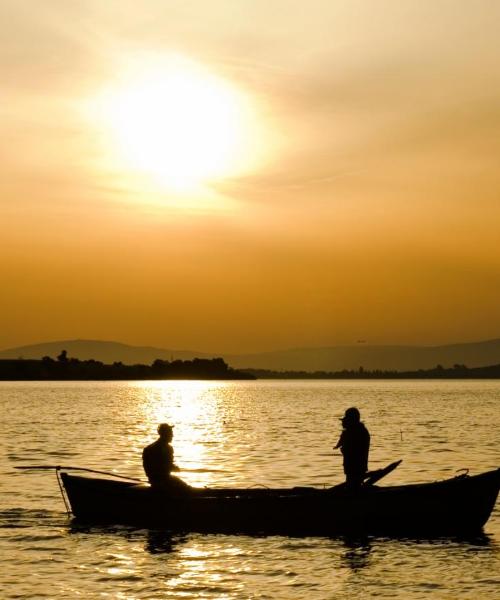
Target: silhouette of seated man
<point>158,463</point>
<point>354,443</point>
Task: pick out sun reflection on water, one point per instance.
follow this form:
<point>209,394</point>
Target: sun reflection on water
<point>196,410</point>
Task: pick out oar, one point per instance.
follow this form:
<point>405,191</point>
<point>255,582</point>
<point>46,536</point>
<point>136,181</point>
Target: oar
<point>66,468</point>
<point>372,477</point>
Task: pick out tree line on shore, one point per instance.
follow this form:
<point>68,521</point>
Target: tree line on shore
<point>438,372</point>
<point>65,368</point>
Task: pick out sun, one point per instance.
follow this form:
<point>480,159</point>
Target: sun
<point>179,123</point>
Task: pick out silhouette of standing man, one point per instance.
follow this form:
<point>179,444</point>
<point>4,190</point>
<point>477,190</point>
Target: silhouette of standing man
<point>354,443</point>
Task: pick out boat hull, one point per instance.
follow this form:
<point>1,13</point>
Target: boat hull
<point>461,505</point>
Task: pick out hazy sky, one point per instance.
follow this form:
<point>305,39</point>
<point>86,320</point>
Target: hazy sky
<point>339,164</point>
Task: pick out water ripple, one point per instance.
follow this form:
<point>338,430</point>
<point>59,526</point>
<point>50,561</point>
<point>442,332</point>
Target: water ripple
<point>236,434</point>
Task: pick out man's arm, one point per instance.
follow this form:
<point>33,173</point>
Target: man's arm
<point>340,442</point>
<point>171,465</point>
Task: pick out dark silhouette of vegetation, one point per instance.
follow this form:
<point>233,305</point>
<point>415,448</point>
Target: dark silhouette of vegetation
<point>438,372</point>
<point>63,357</point>
<point>65,368</point>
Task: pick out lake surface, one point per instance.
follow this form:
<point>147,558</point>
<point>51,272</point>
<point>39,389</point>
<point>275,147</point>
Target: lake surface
<point>275,433</point>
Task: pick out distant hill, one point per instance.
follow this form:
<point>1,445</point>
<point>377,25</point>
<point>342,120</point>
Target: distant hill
<point>335,358</point>
<point>106,352</point>
<point>399,358</point>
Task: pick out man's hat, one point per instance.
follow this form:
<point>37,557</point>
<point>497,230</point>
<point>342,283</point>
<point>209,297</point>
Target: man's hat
<point>165,427</point>
<point>351,415</point>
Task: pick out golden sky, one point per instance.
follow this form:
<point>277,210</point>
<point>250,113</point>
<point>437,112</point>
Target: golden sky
<point>233,175</point>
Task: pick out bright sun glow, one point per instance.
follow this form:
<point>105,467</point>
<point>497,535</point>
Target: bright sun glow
<point>174,120</point>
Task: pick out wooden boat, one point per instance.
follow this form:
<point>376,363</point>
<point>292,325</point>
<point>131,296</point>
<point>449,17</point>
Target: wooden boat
<point>461,505</point>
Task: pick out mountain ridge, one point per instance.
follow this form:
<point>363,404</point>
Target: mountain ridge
<point>329,358</point>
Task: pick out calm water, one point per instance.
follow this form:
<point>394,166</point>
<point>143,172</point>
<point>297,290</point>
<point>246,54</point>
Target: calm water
<point>277,433</point>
